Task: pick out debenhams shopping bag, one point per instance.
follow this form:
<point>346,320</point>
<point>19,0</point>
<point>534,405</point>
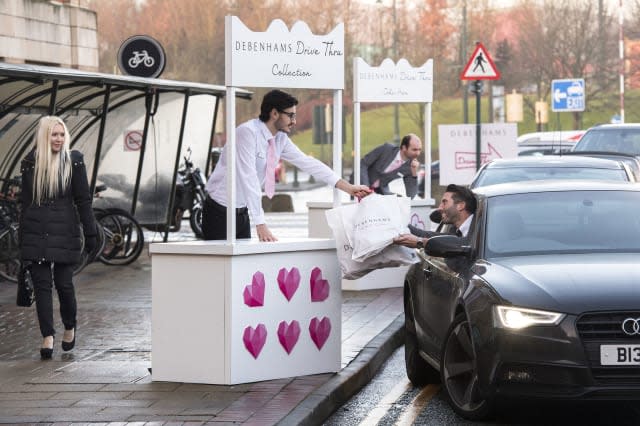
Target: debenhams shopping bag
<point>377,221</point>
<point>336,218</point>
<point>341,222</point>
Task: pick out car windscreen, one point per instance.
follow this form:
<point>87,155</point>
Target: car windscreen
<point>563,222</point>
<point>626,141</point>
<point>493,176</point>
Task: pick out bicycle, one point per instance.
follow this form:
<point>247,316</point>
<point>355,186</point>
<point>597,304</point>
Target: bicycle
<point>120,239</point>
<point>123,236</point>
<point>9,242</point>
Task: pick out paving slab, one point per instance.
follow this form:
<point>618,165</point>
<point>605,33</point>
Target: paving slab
<point>106,378</point>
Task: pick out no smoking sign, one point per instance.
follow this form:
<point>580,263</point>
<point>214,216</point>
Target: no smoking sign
<point>132,140</point>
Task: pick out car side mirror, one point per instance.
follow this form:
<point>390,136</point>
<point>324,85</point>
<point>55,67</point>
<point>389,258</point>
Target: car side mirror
<point>447,246</point>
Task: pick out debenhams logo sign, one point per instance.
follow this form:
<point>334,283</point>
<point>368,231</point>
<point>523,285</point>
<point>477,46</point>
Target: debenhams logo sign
<point>283,58</point>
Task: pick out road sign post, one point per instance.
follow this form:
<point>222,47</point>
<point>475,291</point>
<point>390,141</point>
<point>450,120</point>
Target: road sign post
<point>479,67</point>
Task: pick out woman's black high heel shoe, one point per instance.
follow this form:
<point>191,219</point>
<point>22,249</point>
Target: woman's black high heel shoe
<point>46,353</point>
<point>67,346</point>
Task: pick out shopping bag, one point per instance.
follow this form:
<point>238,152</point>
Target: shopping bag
<point>377,221</point>
<point>341,222</point>
<point>336,219</point>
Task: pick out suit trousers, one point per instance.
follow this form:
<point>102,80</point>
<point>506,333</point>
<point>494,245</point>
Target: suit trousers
<point>45,275</point>
<point>214,221</point>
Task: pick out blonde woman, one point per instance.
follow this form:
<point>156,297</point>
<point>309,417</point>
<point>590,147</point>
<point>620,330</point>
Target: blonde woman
<point>55,200</point>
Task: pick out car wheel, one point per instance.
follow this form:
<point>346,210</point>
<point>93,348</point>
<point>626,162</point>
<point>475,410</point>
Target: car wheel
<point>460,375</point>
<point>419,371</point>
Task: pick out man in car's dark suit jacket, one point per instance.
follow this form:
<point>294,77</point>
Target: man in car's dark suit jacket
<point>374,166</point>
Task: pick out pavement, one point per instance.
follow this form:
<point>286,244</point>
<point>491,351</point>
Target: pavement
<point>106,379</point>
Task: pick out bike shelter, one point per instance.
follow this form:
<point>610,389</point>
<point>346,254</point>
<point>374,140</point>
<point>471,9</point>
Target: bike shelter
<point>131,130</point>
<point>237,311</point>
<point>387,83</point>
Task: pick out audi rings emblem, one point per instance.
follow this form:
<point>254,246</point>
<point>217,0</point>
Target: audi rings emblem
<point>631,326</point>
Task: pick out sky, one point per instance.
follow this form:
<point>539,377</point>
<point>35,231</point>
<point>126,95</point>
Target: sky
<point>612,5</point>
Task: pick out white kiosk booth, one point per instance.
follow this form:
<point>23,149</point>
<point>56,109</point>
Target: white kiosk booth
<point>390,83</point>
<point>237,311</point>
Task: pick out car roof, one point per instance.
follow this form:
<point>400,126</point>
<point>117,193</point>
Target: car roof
<point>554,186</point>
<point>551,137</point>
<point>554,161</point>
<point>616,126</point>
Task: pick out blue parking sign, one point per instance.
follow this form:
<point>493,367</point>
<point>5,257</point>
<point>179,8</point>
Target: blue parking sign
<point>568,95</point>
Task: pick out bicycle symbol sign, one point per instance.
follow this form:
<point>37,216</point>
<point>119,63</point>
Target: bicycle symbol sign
<point>133,140</point>
<point>141,56</point>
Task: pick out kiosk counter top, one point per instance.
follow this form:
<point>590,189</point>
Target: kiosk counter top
<point>242,246</point>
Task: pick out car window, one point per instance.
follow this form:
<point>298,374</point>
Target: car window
<point>563,222</point>
<point>493,176</point>
<point>625,141</point>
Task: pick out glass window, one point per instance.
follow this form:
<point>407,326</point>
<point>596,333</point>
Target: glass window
<point>625,141</point>
<point>495,176</point>
<point>563,222</point>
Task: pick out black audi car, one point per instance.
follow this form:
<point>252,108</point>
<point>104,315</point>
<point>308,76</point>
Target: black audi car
<point>541,300</point>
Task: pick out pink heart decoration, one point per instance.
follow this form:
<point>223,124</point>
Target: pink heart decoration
<point>288,281</point>
<point>417,222</point>
<point>254,339</point>
<point>288,334</point>
<point>254,293</point>
<point>319,331</point>
<point>319,286</point>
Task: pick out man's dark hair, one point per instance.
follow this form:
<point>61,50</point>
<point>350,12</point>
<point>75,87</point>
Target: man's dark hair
<point>464,194</point>
<point>405,141</point>
<point>275,99</point>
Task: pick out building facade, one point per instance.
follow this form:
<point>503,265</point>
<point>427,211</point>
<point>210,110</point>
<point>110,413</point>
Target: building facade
<point>59,33</point>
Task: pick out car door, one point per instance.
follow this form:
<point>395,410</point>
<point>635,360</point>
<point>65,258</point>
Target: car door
<point>443,282</point>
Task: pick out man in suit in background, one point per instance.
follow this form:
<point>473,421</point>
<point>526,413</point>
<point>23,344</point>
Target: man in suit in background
<point>388,162</point>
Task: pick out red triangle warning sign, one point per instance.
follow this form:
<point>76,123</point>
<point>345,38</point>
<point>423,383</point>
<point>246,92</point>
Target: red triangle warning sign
<point>480,66</point>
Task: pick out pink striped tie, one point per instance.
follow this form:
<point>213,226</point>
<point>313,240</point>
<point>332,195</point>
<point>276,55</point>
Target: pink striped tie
<point>270,174</point>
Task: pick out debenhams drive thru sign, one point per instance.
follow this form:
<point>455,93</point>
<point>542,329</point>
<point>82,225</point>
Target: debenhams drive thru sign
<point>282,58</point>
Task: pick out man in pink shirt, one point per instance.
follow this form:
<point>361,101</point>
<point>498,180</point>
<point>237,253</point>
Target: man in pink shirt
<point>260,144</point>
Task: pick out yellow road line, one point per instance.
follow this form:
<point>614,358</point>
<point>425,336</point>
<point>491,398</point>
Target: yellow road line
<point>417,405</point>
<point>383,406</point>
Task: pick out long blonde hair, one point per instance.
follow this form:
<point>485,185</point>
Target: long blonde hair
<point>52,173</point>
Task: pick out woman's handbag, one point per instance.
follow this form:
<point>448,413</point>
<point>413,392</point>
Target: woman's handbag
<point>25,296</point>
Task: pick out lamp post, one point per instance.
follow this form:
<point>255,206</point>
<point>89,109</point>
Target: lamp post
<point>621,56</point>
<point>463,54</point>
<point>396,115</point>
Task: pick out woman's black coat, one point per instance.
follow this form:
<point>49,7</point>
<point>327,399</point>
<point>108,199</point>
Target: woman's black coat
<point>51,231</point>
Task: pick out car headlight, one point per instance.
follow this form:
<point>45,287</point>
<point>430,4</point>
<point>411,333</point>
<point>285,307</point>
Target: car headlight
<point>514,317</point>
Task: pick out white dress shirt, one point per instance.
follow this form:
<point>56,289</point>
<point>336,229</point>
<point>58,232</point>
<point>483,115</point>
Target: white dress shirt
<point>464,228</point>
<point>251,164</point>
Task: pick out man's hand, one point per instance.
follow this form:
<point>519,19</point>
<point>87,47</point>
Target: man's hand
<point>264,234</point>
<point>415,165</point>
<point>357,191</point>
<point>408,240</point>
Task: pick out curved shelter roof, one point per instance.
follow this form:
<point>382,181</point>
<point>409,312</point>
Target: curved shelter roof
<point>132,131</point>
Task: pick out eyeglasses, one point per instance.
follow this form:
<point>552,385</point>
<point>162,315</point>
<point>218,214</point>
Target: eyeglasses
<point>291,115</point>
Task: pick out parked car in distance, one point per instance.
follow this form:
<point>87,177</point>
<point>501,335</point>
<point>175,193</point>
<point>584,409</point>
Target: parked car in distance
<point>614,141</point>
<point>547,143</point>
<point>619,138</point>
<point>550,167</point>
<point>540,300</point>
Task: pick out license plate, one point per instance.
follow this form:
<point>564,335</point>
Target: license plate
<point>620,354</point>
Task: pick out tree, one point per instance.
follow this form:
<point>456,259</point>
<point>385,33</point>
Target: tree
<point>559,40</point>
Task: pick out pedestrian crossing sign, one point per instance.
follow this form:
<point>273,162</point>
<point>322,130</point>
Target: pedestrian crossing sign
<point>480,66</point>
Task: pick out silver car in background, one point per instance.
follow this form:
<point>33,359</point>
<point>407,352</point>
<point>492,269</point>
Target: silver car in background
<point>550,167</point>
